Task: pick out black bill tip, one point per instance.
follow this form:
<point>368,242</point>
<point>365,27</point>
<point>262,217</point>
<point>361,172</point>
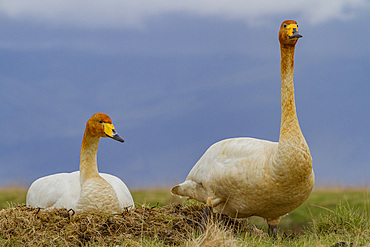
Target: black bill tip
<point>116,137</point>
<point>295,34</point>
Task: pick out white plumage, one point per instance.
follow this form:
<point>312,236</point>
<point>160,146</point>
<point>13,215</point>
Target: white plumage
<point>63,190</point>
<point>86,190</point>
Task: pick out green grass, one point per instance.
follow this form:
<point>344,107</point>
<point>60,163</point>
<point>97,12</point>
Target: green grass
<point>328,216</point>
<point>12,195</point>
<point>155,197</point>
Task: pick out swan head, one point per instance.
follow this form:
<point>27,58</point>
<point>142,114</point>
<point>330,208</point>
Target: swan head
<point>288,33</point>
<point>100,125</point>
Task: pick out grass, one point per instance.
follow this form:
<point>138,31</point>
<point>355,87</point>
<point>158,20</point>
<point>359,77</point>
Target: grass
<point>11,195</point>
<point>329,216</point>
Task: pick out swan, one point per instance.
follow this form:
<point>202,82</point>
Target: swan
<point>243,177</point>
<point>85,190</point>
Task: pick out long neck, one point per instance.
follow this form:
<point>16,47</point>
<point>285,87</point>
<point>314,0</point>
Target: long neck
<point>88,158</point>
<point>289,122</point>
<point>293,155</point>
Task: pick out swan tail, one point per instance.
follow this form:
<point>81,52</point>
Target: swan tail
<point>190,189</point>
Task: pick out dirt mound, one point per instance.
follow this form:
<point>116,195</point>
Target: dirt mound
<point>171,225</point>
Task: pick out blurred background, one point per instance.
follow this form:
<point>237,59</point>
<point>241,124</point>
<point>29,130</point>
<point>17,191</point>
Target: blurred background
<point>176,77</point>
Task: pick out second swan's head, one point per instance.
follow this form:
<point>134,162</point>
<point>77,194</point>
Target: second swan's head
<point>288,33</point>
<point>101,125</point>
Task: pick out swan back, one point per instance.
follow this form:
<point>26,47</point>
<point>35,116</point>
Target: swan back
<point>59,190</point>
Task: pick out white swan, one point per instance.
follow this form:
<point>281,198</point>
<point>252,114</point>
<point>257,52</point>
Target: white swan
<point>85,190</point>
<point>245,177</point>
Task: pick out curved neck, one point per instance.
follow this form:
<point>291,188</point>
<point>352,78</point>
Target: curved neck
<point>88,158</point>
<point>289,121</point>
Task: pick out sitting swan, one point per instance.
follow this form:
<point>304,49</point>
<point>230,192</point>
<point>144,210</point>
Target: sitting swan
<point>244,177</point>
<point>86,190</point>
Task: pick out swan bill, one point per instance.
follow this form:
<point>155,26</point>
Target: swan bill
<point>293,31</point>
<point>111,133</point>
<point>295,34</point>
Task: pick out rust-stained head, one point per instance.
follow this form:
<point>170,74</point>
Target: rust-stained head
<point>288,33</point>
<point>100,125</point>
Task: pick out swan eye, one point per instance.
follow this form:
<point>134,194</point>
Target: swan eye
<point>100,121</point>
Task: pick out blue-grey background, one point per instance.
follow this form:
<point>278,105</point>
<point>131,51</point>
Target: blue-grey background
<point>175,77</point>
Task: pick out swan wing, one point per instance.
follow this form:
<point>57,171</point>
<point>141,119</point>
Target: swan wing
<point>59,190</point>
<point>226,165</point>
<point>245,155</point>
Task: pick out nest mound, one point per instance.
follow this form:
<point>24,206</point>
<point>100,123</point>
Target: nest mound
<point>170,225</point>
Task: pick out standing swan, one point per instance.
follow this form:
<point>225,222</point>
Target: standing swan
<point>85,190</point>
<point>244,177</point>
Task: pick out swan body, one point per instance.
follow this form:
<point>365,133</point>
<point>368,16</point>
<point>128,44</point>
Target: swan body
<point>244,177</point>
<point>86,190</point>
<point>45,192</point>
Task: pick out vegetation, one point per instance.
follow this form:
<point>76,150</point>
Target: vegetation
<point>330,217</point>
<point>12,195</point>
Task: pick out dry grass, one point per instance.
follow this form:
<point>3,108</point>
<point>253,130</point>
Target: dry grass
<point>327,218</point>
<point>169,225</point>
<point>215,235</point>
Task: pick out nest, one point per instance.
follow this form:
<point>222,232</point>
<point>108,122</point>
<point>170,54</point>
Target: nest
<point>170,225</point>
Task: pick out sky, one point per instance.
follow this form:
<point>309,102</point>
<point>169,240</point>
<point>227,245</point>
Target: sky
<point>176,77</point>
